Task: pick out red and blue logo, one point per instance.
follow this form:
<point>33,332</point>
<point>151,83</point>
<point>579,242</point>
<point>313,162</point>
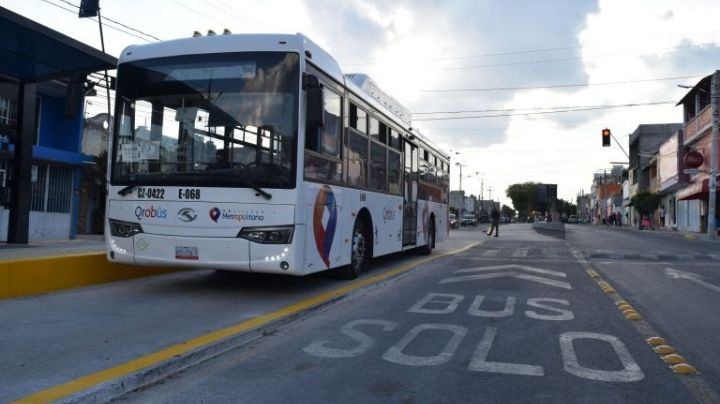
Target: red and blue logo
<point>324,222</point>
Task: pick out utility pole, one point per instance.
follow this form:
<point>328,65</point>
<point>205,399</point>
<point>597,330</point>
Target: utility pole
<point>482,195</point>
<point>462,196</point>
<point>712,197</point>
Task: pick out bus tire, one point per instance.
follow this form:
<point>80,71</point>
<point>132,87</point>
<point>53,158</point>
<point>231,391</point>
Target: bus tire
<point>359,251</point>
<point>428,247</point>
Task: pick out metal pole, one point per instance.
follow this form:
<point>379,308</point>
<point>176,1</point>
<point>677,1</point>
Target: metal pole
<point>620,146</point>
<point>713,155</point>
<point>107,80</point>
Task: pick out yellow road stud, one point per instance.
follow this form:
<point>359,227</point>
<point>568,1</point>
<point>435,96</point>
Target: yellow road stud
<point>655,341</point>
<point>673,359</point>
<point>684,368</point>
<point>629,311</point>
<point>633,317</point>
<point>621,303</point>
<point>664,349</point>
<point>625,307</point>
<point>609,290</point>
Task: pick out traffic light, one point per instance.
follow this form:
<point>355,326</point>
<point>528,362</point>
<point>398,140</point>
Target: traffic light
<point>606,137</point>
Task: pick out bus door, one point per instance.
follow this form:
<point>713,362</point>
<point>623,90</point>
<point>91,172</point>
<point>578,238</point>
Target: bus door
<point>410,194</point>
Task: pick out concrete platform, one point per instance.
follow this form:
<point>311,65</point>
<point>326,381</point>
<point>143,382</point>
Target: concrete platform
<point>49,266</point>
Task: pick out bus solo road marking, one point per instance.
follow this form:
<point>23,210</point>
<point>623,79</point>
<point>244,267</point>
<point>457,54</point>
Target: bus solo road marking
<point>444,303</point>
<point>449,302</point>
<point>395,353</point>
<point>320,348</point>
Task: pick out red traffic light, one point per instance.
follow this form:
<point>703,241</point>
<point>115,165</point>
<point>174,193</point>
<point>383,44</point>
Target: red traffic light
<point>606,137</point>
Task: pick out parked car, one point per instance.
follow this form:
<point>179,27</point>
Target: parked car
<point>469,220</point>
<point>573,219</point>
<point>453,221</point>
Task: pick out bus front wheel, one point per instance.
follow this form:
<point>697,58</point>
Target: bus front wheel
<point>359,251</point>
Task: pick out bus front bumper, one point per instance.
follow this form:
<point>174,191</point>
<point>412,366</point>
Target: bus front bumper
<point>231,254</point>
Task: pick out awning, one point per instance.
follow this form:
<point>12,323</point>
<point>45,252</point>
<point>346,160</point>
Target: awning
<point>31,52</point>
<point>695,190</point>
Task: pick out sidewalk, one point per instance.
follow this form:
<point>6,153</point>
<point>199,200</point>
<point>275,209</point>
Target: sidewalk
<point>687,235</point>
<point>47,266</point>
<point>85,244</point>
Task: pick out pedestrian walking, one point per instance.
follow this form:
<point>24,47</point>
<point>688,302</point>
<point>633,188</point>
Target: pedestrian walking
<point>662,216</point>
<point>495,218</point>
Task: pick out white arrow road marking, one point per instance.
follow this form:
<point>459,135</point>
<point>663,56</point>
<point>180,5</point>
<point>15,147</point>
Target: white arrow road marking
<point>513,266</point>
<point>694,278</point>
<point>527,277</point>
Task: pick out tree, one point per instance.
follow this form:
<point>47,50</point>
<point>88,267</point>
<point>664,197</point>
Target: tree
<point>523,196</point>
<point>566,208</point>
<point>645,203</point>
<point>507,211</point>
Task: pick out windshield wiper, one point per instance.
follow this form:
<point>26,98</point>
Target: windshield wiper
<point>127,190</point>
<point>257,189</point>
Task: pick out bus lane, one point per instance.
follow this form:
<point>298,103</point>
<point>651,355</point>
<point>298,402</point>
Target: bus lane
<point>522,324</point>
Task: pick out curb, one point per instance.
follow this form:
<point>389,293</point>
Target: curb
<point>34,276</point>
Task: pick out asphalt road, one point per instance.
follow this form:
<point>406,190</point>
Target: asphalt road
<point>516,319</point>
<point>672,281</point>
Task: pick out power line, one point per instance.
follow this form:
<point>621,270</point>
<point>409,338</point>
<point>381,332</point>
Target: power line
<point>94,19</point>
<point>225,10</point>
<point>551,49</point>
<point>197,11</point>
<point>533,108</point>
<point>118,23</point>
<point>540,61</point>
<point>545,112</point>
<point>609,83</point>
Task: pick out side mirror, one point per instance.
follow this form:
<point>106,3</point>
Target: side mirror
<point>315,105</point>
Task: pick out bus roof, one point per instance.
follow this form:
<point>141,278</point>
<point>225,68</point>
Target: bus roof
<point>360,84</point>
<point>236,43</point>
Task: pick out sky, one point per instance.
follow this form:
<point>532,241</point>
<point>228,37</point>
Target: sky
<point>514,91</point>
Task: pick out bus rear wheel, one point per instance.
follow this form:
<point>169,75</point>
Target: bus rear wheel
<point>430,238</point>
<point>359,251</point>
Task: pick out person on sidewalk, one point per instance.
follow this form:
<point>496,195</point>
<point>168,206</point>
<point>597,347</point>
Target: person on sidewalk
<point>662,216</point>
<point>495,217</point>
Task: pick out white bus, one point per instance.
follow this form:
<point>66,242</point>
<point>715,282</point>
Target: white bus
<point>255,153</point>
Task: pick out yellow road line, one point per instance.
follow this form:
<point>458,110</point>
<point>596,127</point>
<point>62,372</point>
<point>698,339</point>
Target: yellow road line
<point>88,381</point>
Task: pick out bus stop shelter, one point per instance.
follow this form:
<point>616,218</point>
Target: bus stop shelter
<point>31,53</point>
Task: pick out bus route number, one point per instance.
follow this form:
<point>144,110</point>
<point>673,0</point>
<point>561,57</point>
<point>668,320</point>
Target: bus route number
<point>188,193</point>
<point>363,197</point>
<point>151,193</point>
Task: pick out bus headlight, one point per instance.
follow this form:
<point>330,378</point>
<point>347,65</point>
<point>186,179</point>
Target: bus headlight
<point>119,228</point>
<point>268,235</point>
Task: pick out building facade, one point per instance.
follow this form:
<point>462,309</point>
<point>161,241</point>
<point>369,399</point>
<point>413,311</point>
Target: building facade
<point>697,132</point>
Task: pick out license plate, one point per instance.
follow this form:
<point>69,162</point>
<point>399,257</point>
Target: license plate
<point>186,253</point>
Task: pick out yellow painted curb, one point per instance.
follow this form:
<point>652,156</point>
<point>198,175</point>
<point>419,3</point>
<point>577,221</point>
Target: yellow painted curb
<point>49,274</point>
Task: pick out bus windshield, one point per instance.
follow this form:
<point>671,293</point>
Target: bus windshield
<point>213,120</point>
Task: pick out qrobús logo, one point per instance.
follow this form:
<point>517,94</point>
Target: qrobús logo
<point>151,212</point>
<point>235,215</point>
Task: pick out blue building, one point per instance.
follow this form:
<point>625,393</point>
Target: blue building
<point>43,77</point>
